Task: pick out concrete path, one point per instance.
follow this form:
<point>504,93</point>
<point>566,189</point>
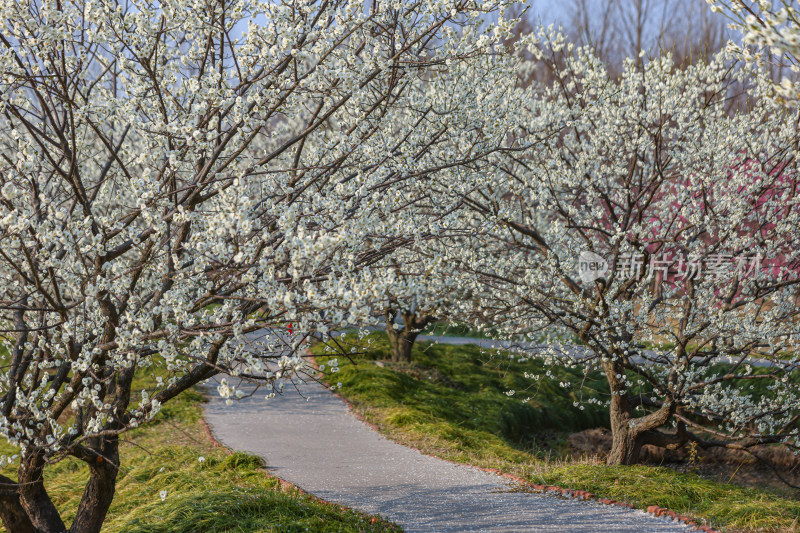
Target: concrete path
<point>566,350</point>
<point>311,439</point>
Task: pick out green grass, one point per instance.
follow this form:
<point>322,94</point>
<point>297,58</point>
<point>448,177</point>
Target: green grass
<point>724,505</point>
<point>452,403</point>
<point>458,396</point>
<point>228,492</point>
<point>439,329</point>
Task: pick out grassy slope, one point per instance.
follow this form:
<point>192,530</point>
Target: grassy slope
<point>454,330</point>
<point>451,403</point>
<point>225,492</point>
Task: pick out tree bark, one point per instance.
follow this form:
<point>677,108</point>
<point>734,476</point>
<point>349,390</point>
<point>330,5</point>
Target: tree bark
<point>12,514</point>
<point>402,340</point>
<point>33,497</point>
<point>401,343</point>
<point>99,490</point>
<point>629,434</point>
<point>25,507</point>
<point>626,446</point>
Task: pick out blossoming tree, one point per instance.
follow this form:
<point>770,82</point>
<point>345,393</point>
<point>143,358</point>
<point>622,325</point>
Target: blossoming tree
<point>174,175</point>
<point>659,229</point>
<point>419,290</point>
<point>417,294</point>
<point>419,284</point>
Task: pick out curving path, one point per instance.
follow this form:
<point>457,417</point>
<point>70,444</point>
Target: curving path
<point>311,439</point>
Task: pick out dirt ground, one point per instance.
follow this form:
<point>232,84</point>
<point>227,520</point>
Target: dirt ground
<point>763,468</point>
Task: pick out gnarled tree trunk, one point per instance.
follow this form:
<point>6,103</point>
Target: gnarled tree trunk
<point>626,446</point>
<point>33,497</point>
<point>25,506</point>
<point>99,490</point>
<point>630,433</point>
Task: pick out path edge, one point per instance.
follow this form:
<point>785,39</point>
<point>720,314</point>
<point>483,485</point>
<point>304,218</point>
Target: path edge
<point>654,510</point>
<point>284,484</point>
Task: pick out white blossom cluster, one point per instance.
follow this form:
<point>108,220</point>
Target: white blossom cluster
<point>176,175</point>
<point>655,164</point>
<point>770,33</point>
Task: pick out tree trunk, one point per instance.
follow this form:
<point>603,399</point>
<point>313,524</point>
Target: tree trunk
<point>401,344</point>
<point>25,507</point>
<point>99,490</point>
<point>628,432</point>
<point>13,516</point>
<point>402,340</point>
<point>33,497</point>
<point>626,445</point>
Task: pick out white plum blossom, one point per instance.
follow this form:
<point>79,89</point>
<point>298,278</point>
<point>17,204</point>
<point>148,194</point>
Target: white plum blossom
<point>770,40</point>
<point>176,176</point>
<point>646,172</point>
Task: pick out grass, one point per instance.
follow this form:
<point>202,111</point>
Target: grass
<point>458,396</point>
<point>444,329</point>
<point>223,491</point>
<point>452,403</point>
<point>724,505</point>
<point>449,329</point>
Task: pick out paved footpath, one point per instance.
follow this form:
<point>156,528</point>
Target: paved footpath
<point>314,441</point>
